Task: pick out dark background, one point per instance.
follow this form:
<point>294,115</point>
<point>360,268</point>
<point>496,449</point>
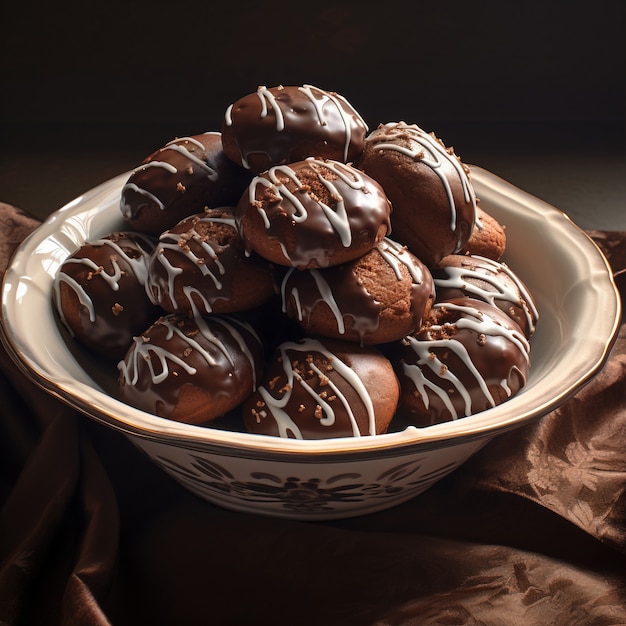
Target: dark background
<point>87,90</point>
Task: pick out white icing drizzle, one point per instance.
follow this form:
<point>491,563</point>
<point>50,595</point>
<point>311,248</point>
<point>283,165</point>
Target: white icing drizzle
<point>267,97</point>
<point>144,350</point>
<point>319,99</point>
<point>112,280</point>
<point>190,293</point>
<point>162,164</point>
<point>325,292</point>
<point>426,358</point>
<point>178,244</point>
<point>430,152</point>
<point>504,384</point>
<point>173,270</point>
<point>398,255</point>
<point>277,406</point>
<point>228,116</point>
<point>139,267</point>
<point>127,208</point>
<point>395,254</point>
<point>458,278</point>
<point>230,324</point>
<point>338,217</point>
<point>154,289</point>
<point>178,145</point>
<point>318,103</point>
<point>271,181</point>
<point>476,321</point>
<point>139,264</point>
<point>81,294</point>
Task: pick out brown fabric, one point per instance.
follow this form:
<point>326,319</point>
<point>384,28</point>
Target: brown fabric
<point>531,530</point>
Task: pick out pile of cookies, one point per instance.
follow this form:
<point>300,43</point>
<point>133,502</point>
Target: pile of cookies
<point>312,277</point>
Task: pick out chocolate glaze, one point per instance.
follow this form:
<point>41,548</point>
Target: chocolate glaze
<point>488,280</point>
<point>313,213</point>
<point>280,125</point>
<point>99,292</point>
<point>356,312</point>
<point>191,368</point>
<point>201,261</point>
<point>434,205</point>
<point>468,357</point>
<point>317,389</point>
<point>180,179</point>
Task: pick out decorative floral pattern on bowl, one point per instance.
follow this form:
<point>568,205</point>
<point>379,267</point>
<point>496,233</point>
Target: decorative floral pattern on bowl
<point>303,491</point>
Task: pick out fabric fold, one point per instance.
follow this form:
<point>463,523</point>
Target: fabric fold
<point>531,530</point>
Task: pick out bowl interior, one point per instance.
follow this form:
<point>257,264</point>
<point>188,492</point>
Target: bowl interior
<point>578,305</point>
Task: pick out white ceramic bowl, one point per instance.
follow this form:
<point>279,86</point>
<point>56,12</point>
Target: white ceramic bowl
<point>579,310</point>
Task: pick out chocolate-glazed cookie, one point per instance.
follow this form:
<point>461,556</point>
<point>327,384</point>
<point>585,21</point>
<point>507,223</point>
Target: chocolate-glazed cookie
<point>280,125</point>
<point>313,213</point>
<point>434,205</point>
<point>190,368</point>
<point>200,265</point>
<point>379,297</point>
<point>99,292</point>
<point>468,357</point>
<point>180,179</point>
<point>461,275</point>
<point>318,389</point>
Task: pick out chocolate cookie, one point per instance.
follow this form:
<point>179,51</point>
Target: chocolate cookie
<point>379,297</point>
<point>493,282</point>
<point>99,292</point>
<point>434,205</point>
<point>180,179</point>
<point>200,266</point>
<point>468,357</point>
<point>313,213</point>
<point>281,125</point>
<point>190,368</point>
<point>317,389</point>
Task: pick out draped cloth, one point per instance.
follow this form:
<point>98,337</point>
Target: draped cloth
<point>531,530</point>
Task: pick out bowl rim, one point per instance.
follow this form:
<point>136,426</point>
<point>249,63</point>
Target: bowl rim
<point>133,422</point>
